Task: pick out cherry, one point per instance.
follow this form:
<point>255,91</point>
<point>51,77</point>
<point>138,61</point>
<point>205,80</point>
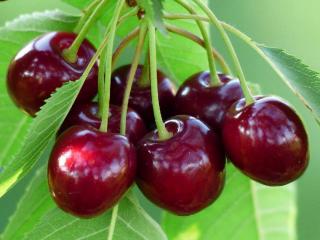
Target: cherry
<point>185,173</point>
<point>89,171</point>
<point>266,140</point>
<point>197,98</point>
<point>39,68</point>
<point>140,97</point>
<point>87,114</point>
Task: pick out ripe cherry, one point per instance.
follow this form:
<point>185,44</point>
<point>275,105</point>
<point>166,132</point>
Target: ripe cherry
<point>140,97</point>
<point>39,68</point>
<point>185,173</point>
<point>196,97</point>
<point>87,114</point>
<point>89,171</point>
<point>266,140</point>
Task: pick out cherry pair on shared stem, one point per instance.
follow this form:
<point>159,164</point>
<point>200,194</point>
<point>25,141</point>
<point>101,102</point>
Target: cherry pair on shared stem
<point>266,139</point>
<point>40,68</point>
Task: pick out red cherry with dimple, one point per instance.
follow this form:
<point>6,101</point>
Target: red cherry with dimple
<point>87,115</point>
<point>183,174</point>
<point>196,97</point>
<point>140,97</point>
<point>89,171</point>
<point>266,140</point>
<point>39,69</point>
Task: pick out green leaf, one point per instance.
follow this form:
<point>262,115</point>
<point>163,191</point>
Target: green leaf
<point>177,56</point>
<point>245,210</point>
<point>300,78</point>
<point>42,130</point>
<point>37,217</point>
<point>14,124</point>
<point>13,36</point>
<point>34,203</point>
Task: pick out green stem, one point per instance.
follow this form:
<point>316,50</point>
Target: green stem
<point>113,221</point>
<point>214,20</point>
<point>85,15</point>
<point>102,66</point>
<point>213,71</point>
<point>163,133</point>
<point>144,80</point>
<point>189,35</point>
<point>95,58</point>
<point>70,54</point>
<point>101,75</point>
<point>251,43</point>
<point>108,68</point>
<point>132,73</point>
<point>124,43</point>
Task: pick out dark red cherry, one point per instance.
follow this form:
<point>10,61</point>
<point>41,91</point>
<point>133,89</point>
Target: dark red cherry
<point>266,140</point>
<point>87,114</point>
<point>89,171</point>
<point>39,68</point>
<point>197,98</point>
<point>140,98</point>
<point>185,173</point>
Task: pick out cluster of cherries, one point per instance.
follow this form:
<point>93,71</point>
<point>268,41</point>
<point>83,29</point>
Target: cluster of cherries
<point>89,170</point>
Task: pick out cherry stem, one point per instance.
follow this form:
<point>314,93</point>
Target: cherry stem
<point>102,66</point>
<point>85,15</point>
<point>108,66</point>
<point>215,80</point>
<point>163,133</point>
<point>113,221</point>
<point>101,75</point>
<point>71,53</point>
<point>144,80</point>
<point>131,77</point>
<point>214,20</point>
<point>123,44</point>
<point>189,35</point>
<point>251,43</point>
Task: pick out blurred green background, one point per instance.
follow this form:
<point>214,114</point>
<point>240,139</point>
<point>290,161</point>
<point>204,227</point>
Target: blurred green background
<point>288,24</point>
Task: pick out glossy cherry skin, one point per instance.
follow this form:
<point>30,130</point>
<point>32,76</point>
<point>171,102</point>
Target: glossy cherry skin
<point>87,115</point>
<point>185,173</point>
<point>39,68</point>
<point>197,98</point>
<point>266,140</point>
<point>89,171</point>
<point>140,97</point>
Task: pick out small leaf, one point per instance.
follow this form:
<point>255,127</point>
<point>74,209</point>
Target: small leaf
<point>246,210</point>
<point>37,217</point>
<point>301,79</point>
<point>42,130</point>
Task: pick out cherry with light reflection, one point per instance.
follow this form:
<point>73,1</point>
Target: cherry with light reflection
<point>185,173</point>
<point>266,140</point>
<point>39,69</point>
<point>89,171</point>
<point>140,96</point>
<point>196,97</point>
<point>88,114</point>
